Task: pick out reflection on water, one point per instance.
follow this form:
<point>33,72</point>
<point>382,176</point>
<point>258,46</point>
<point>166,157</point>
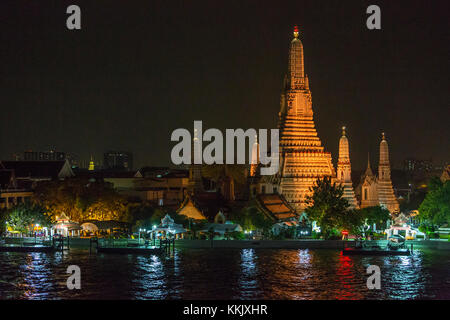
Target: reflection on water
<point>348,280</point>
<point>224,274</point>
<point>248,281</point>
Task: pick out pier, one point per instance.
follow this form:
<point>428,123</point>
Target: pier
<point>127,246</point>
<point>26,245</point>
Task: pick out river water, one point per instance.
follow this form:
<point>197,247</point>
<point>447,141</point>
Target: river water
<point>225,274</point>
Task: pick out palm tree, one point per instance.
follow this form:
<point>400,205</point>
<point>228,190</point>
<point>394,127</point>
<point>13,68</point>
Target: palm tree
<point>225,176</point>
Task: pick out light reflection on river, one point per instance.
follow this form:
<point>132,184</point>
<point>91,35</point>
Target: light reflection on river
<point>224,274</point>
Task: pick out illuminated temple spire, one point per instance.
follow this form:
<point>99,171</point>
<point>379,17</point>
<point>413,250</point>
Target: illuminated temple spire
<point>91,164</point>
<point>368,169</point>
<point>386,194</point>
<point>195,169</point>
<point>302,156</point>
<point>344,171</point>
<point>255,157</point>
<point>296,69</point>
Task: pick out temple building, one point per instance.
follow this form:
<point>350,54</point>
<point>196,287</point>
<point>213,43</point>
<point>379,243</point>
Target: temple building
<point>344,171</point>
<point>303,160</point>
<point>374,190</point>
<point>302,156</point>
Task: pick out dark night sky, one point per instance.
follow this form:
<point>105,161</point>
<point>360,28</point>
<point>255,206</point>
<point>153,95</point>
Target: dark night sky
<point>140,69</point>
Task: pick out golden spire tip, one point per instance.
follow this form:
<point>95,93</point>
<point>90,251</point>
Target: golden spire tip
<point>295,32</point>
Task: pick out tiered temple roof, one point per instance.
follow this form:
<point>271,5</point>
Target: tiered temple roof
<point>275,207</point>
<point>303,158</point>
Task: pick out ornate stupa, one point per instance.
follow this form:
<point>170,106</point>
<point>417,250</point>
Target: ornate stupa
<point>386,194</point>
<point>344,171</point>
<point>302,157</point>
<point>376,191</point>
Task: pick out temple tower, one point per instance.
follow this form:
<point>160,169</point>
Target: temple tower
<point>344,171</point>
<point>368,187</point>
<point>254,161</point>
<point>386,194</point>
<point>195,170</point>
<point>302,157</point>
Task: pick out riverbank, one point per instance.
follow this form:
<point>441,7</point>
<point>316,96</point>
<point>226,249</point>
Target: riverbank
<point>265,244</point>
<point>300,244</point>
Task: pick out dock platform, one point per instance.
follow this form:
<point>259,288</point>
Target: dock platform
<point>132,250</point>
<point>30,248</point>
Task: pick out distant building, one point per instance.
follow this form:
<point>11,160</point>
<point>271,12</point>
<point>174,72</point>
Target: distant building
<point>44,156</point>
<point>11,193</point>
<point>161,186</point>
<point>119,160</point>
<point>412,164</point>
<point>35,171</point>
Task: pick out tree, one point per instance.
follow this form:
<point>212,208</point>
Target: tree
<point>327,207</point>
<point>24,216</point>
<point>3,218</point>
<point>80,199</point>
<point>138,212</point>
<point>353,222</point>
<point>250,218</point>
<point>435,208</point>
<point>375,215</point>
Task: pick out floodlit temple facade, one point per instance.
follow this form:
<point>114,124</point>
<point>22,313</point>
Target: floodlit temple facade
<point>302,156</point>
<point>303,159</point>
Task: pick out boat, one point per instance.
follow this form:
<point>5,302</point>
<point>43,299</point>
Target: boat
<point>396,247</point>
